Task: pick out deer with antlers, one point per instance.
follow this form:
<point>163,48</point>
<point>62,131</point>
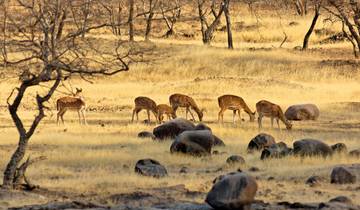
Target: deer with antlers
<point>146,103</point>
<point>234,103</point>
<point>75,103</point>
<point>273,111</point>
<point>179,100</point>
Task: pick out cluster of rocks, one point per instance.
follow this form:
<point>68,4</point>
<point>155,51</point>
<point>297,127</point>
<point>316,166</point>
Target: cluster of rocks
<point>305,147</point>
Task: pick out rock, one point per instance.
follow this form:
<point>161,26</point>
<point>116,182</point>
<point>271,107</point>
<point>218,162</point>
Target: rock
<point>184,170</point>
<point>232,191</point>
<point>341,175</point>
<point>355,153</point>
<point>150,167</point>
<point>254,169</point>
<point>339,148</point>
<point>202,126</point>
<point>302,112</point>
<point>260,141</point>
<point>197,142</point>
<point>341,199</point>
<point>218,142</point>
<point>313,181</point>
<point>277,150</point>
<point>235,159</point>
<point>311,147</point>
<point>146,134</point>
<point>172,128</point>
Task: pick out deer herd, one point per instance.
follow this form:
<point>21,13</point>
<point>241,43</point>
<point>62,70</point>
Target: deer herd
<point>226,102</point>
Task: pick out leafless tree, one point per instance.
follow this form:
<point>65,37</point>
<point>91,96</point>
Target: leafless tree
<point>301,7</point>
<point>131,20</point>
<point>44,47</point>
<point>317,6</point>
<point>207,30</point>
<point>348,11</point>
<point>173,8</point>
<point>149,7</point>
<point>114,10</point>
<point>226,5</point>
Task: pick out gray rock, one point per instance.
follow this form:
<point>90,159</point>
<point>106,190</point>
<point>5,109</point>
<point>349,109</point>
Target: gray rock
<point>339,148</point>
<point>232,191</point>
<point>202,126</point>
<point>355,153</point>
<point>311,147</point>
<point>341,199</point>
<point>235,160</point>
<point>197,143</point>
<point>146,134</point>
<point>341,175</point>
<point>172,128</point>
<point>150,167</point>
<point>313,181</point>
<point>260,142</point>
<point>218,142</point>
<point>277,150</point>
<point>302,112</point>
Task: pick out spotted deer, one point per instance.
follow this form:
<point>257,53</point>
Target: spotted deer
<point>146,103</point>
<point>165,109</point>
<point>267,109</point>
<point>74,103</point>
<point>180,100</point>
<point>234,103</point>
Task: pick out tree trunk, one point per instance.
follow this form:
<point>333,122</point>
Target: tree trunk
<point>148,26</point>
<point>15,160</point>
<point>311,29</point>
<point>131,20</point>
<point>228,23</point>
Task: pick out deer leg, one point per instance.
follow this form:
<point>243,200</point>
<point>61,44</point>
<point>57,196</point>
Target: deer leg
<point>62,116</point>
<point>83,115</point>
<point>277,121</point>
<point>234,114</point>
<point>137,115</point>
<point>79,116</point>
<point>191,114</point>
<point>155,114</point>
<point>272,122</point>
<point>133,114</point>
<point>260,121</point>
<point>221,116</point>
<point>58,117</point>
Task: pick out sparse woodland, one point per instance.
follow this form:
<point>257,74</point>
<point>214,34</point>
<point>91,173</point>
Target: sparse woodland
<point>110,52</point>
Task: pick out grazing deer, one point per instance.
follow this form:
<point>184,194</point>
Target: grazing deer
<point>146,103</point>
<point>180,100</point>
<point>267,109</point>
<point>165,109</point>
<point>75,103</point>
<point>234,103</point>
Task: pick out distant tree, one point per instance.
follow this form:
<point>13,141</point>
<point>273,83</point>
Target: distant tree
<point>42,46</point>
<point>348,12</point>
<point>150,7</point>
<point>131,20</point>
<point>226,5</point>
<point>173,8</point>
<point>317,6</point>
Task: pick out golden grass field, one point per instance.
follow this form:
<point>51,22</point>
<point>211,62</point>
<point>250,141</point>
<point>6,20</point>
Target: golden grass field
<point>97,161</point>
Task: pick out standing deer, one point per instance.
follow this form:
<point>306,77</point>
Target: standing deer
<point>234,103</point>
<point>146,103</point>
<point>268,109</point>
<point>75,103</point>
<point>165,109</point>
<point>180,100</point>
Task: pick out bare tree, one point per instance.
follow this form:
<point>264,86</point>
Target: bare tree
<point>207,30</point>
<point>301,7</point>
<point>174,8</point>
<point>317,6</point>
<point>149,14</point>
<point>226,5</point>
<point>348,11</point>
<point>131,20</point>
<point>114,10</point>
<point>49,50</point>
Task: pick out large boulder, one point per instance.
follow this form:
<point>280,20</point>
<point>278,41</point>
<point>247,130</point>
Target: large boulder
<point>235,160</point>
<point>302,112</point>
<point>232,191</point>
<point>150,167</point>
<point>311,147</point>
<point>172,128</point>
<point>260,142</point>
<point>277,150</point>
<point>355,153</point>
<point>342,175</point>
<point>339,148</point>
<point>197,142</point>
<point>218,141</point>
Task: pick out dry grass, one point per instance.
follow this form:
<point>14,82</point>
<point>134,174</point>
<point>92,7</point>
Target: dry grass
<point>100,160</point>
